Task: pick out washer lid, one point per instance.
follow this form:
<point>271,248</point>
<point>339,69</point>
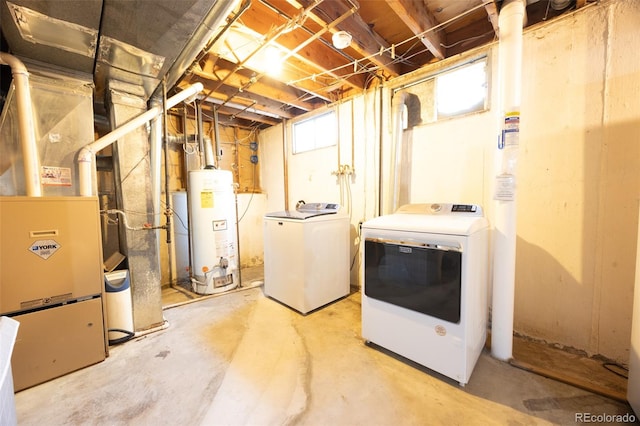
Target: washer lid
<point>297,215</point>
<point>306,211</point>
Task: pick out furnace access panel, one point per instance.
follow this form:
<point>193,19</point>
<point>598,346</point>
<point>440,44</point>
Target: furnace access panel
<point>51,282</point>
<point>50,251</point>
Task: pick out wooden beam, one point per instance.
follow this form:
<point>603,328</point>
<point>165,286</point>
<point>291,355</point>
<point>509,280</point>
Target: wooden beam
<point>418,18</point>
<point>316,57</point>
<point>232,114</point>
<point>226,118</point>
<point>243,79</point>
<point>492,14</point>
<point>245,98</point>
<point>476,33</point>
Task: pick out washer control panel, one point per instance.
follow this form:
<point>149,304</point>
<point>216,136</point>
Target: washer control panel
<point>314,207</point>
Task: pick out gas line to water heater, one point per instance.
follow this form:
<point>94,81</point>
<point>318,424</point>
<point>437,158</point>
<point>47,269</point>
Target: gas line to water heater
<point>144,227</point>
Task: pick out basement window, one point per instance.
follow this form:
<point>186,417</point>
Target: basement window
<point>317,132</point>
<point>462,90</point>
<point>449,93</point>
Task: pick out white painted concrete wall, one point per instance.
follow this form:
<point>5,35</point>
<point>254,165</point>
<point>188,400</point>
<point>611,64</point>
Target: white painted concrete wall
<point>580,180</point>
<point>578,183</point>
<point>251,209</point>
<point>310,175</point>
<point>272,173</point>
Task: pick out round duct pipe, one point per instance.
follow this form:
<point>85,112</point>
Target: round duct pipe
<point>560,4</point>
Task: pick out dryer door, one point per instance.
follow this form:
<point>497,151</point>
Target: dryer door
<point>425,278</point>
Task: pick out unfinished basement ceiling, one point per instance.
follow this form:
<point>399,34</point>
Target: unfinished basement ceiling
<point>227,45</point>
<point>388,38</point>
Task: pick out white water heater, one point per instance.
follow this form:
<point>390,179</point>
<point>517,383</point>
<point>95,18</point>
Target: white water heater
<point>214,248</point>
<point>180,225</point>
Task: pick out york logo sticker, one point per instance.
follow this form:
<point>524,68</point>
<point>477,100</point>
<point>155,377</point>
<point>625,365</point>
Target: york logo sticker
<point>44,248</point>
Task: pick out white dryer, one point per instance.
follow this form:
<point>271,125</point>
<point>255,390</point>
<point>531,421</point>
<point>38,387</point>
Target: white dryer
<point>425,285</point>
<point>306,255</point>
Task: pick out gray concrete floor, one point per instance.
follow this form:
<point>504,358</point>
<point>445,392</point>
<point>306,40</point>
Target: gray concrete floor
<point>243,359</point>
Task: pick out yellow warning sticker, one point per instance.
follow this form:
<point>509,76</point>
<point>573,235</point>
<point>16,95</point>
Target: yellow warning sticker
<point>206,199</point>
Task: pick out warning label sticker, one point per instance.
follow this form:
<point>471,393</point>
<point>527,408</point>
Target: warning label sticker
<point>44,248</point>
<point>206,199</point>
<point>56,176</point>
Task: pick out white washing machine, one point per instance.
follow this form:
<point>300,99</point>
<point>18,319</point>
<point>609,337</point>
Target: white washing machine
<point>424,280</point>
<point>306,255</point>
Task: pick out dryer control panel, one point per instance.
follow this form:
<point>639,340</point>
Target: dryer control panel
<point>442,209</point>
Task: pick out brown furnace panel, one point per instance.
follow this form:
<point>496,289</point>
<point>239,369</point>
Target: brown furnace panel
<point>50,251</point>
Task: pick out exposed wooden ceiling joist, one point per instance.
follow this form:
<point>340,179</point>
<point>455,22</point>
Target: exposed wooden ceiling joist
<point>313,57</point>
<point>492,14</point>
<point>243,79</point>
<point>264,104</point>
<point>367,44</point>
<point>389,38</point>
<point>419,19</point>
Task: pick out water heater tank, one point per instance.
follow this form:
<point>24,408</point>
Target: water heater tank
<point>214,248</point>
<point>181,235</point>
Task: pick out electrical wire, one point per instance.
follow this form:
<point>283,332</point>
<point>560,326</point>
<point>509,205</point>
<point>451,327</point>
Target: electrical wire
<point>175,213</point>
<point>355,255</point>
<point>128,336</point>
<point>252,192</point>
<point>449,46</point>
<point>349,195</point>
<point>340,182</point>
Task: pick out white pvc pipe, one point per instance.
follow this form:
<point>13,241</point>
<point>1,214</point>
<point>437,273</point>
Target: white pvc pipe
<point>155,155</point>
<point>25,124</point>
<point>510,23</point>
<point>397,110</point>
<point>86,155</point>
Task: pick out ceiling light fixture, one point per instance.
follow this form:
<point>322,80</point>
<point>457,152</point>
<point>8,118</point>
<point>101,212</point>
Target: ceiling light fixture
<point>341,39</point>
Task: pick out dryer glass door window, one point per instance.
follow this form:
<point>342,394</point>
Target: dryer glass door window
<point>420,278</point>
